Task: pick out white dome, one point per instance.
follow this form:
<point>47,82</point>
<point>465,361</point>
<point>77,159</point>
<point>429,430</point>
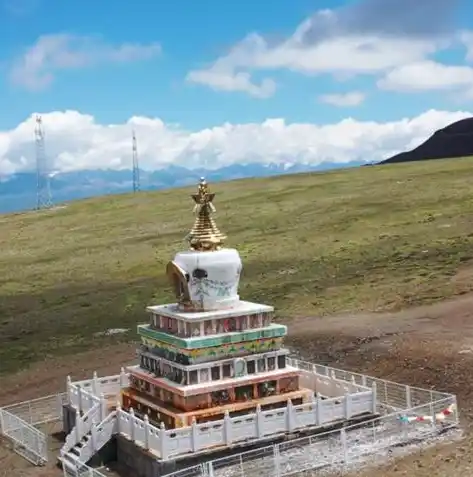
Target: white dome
<point>207,281</point>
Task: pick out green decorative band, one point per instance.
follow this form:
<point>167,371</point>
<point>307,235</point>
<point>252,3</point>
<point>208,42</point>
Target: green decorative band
<point>272,331</point>
<point>201,355</point>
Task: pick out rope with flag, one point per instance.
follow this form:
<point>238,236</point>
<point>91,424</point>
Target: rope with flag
<point>440,416</point>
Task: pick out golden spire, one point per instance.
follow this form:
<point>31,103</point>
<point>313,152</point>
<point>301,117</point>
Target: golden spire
<point>205,235</point>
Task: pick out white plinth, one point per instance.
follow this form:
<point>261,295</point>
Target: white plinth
<point>212,277</point>
<point>239,309</point>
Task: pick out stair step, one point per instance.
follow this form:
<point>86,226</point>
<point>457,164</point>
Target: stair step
<point>70,458</point>
<point>75,451</point>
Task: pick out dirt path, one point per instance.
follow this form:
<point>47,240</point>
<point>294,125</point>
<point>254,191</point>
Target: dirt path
<point>425,346</point>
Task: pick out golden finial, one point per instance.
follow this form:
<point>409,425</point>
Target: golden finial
<point>205,235</point>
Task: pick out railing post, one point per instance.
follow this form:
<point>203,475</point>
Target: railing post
<point>194,435</point>
<point>277,458</point>
<point>123,378</point>
<point>95,384</point>
<point>162,441</point>
<point>259,422</point>
<point>69,389</point>
<point>93,435</point>
<point>289,416</point>
<point>118,411</point>
<point>347,405</point>
<point>455,410</point>
<point>318,410</point>
<point>404,427</point>
<point>146,431</point>
<point>408,397</point>
<point>30,414</point>
<point>210,469</point>
<point>343,440</point>
<point>375,398</point>
<point>59,405</point>
<point>131,430</point>
<point>103,407</point>
<point>227,428</point>
<point>78,426</point>
<point>363,381</point>
<point>433,414</point>
<point>79,397</point>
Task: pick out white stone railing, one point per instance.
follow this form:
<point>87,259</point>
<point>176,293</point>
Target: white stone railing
<point>83,426</point>
<point>344,399</point>
<point>167,444</point>
<point>83,395</point>
<point>392,396</point>
<point>329,386</point>
<point>86,421</point>
<point>100,434</point>
<point>319,378</point>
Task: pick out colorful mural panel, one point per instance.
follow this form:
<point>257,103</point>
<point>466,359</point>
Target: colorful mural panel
<point>271,331</point>
<point>199,355</point>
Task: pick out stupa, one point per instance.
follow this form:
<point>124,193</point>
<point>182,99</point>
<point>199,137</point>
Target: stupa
<point>209,352</point>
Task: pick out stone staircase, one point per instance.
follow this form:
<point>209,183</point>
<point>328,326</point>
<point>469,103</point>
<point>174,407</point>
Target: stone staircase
<point>88,436</point>
<point>92,442</point>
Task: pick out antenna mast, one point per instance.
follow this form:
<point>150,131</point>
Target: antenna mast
<point>43,188</point>
<point>136,169</point>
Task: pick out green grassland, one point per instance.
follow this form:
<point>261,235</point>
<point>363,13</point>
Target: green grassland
<point>372,238</point>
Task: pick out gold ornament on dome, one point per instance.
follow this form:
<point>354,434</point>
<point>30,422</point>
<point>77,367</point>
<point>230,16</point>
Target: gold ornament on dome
<point>204,235</point>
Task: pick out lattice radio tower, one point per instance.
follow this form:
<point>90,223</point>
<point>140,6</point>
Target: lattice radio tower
<point>43,186</point>
<point>136,168</point>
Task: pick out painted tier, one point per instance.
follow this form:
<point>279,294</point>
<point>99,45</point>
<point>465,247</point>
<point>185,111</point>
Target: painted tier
<point>174,418</point>
<point>235,337</point>
<point>201,355</point>
<point>200,364</point>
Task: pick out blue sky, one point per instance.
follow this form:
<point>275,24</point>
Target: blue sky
<point>192,35</point>
<point>198,65</point>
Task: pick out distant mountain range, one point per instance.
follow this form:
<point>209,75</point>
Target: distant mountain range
<point>454,140</point>
<point>18,192</point>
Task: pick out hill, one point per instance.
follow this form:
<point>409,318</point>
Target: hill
<point>18,191</point>
<point>455,140</point>
<point>312,244</point>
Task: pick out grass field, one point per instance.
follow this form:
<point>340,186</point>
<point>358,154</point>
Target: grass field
<point>373,238</point>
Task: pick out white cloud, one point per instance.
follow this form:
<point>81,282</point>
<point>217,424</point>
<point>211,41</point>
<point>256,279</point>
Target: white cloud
<point>343,100</point>
<point>36,68</point>
<point>76,141</point>
<point>222,80</point>
<point>466,37</point>
<point>354,54</point>
<point>361,38</point>
<point>427,76</point>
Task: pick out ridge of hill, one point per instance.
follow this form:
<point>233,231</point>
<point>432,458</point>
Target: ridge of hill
<point>18,191</point>
<point>452,141</point>
<point>364,239</point>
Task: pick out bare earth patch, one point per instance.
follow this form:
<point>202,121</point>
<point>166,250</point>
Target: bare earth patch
<point>425,346</point>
